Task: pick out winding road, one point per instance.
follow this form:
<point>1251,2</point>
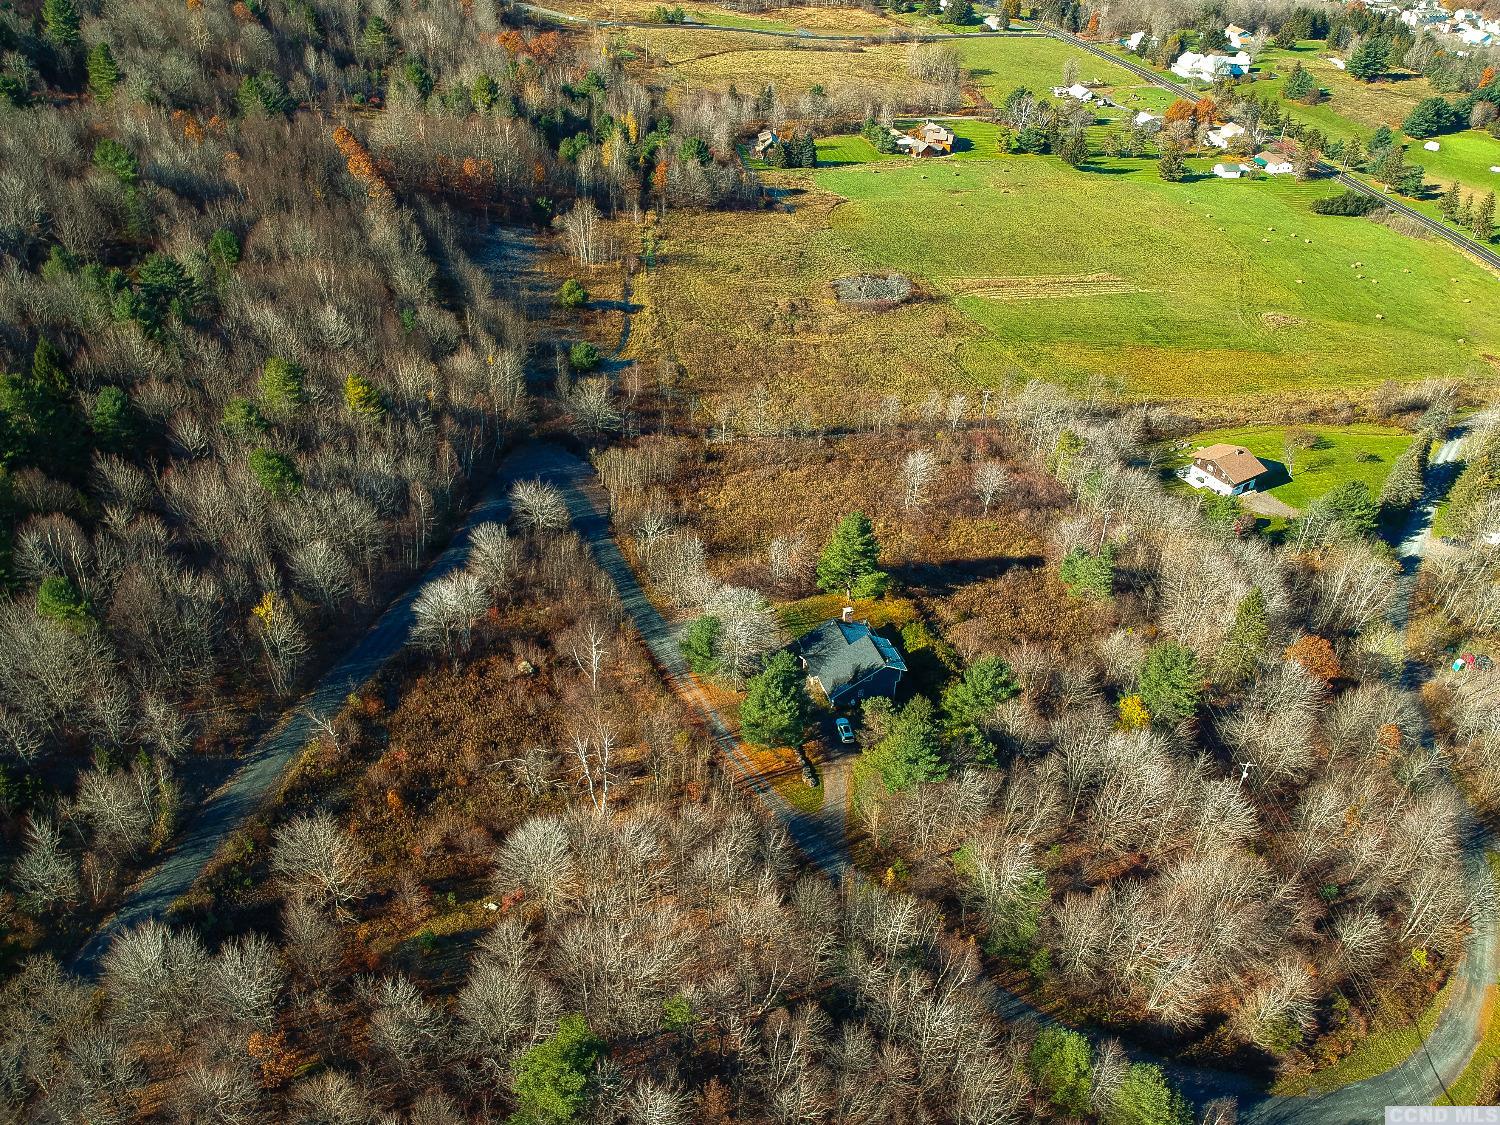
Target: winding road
<point>258,775</point>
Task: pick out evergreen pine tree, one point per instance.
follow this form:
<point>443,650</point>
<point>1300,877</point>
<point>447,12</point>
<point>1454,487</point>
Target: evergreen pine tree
<point>1448,203</point>
<point>362,399</point>
<point>1244,642</point>
<point>849,561</point>
<point>776,707</point>
<point>1484,218</point>
<point>1466,213</point>
<point>60,22</point>
<point>282,386</point>
<point>911,751</point>
<point>104,75</point>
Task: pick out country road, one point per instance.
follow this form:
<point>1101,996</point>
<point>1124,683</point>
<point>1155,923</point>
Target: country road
<point>258,775</point>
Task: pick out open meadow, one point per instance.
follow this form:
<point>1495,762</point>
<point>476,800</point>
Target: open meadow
<point>1206,291</point>
<point>827,18</point>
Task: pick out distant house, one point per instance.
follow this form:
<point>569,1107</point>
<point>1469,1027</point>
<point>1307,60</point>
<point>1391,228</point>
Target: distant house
<point>848,661</point>
<point>928,139</point>
<point>764,141</point>
<point>992,22</point>
<point>1207,68</point>
<point>1231,171</point>
<point>1147,120</point>
<point>1222,136</point>
<point>1238,36</point>
<point>1226,469</point>
<point>1274,163</point>
<point>1133,41</point>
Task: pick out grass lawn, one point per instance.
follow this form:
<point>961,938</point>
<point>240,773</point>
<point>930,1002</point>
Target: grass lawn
<point>1174,290</point>
<point>803,616</point>
<point>1025,267</point>
<point>1341,454</point>
<point>1381,1049</point>
<point>1353,107</point>
<point>998,66</point>
<point>835,151</point>
<point>1463,158</point>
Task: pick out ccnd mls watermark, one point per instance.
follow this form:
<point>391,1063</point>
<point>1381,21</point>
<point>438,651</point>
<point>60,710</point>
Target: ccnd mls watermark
<point>1442,1115</point>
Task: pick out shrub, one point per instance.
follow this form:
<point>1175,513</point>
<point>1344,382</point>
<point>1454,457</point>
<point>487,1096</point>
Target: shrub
<point>1062,1062</point>
<point>276,473</point>
<point>552,1080</point>
<point>57,599</point>
<point>1347,203</point>
<point>699,643</point>
<point>572,294</point>
<point>1090,573</point>
<point>583,356</point>
<point>224,248</point>
<point>1144,1098</point>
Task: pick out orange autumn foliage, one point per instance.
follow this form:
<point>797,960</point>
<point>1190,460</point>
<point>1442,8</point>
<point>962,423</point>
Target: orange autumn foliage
<point>361,167</point>
<point>278,1063</point>
<point>1093,27</point>
<point>541,49</point>
<point>1487,77</point>
<point>1206,111</point>
<point>1316,655</point>
<point>1180,110</point>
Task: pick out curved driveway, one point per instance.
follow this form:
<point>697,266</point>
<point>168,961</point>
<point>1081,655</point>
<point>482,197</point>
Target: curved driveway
<point>261,771</point>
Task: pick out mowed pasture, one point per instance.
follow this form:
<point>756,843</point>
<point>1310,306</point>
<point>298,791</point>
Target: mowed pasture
<point>1213,287</point>
<point>997,66</point>
<point>1321,457</point>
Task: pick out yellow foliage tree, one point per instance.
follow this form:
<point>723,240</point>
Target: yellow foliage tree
<point>1133,713</point>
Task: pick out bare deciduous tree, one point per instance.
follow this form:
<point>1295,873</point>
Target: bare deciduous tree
<point>917,473</point>
<point>539,505</point>
<point>315,857</point>
<point>446,611</point>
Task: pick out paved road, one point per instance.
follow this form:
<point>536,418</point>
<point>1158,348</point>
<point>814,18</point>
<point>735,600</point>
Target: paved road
<point>1353,183</point>
<point>259,774</point>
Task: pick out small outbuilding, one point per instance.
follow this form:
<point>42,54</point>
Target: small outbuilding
<point>848,661</point>
<point>765,140</point>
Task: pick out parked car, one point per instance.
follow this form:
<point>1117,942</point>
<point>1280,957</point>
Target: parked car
<point>845,730</point>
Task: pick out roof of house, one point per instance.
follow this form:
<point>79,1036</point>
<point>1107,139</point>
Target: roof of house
<point>1236,462</point>
<point>1236,29</point>
<point>841,653</point>
<point>1269,157</point>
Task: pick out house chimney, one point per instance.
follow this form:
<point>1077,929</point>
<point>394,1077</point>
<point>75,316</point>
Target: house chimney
<point>848,615</point>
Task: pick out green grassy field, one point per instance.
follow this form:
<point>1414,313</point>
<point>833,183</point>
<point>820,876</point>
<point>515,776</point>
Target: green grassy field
<point>1340,454</point>
<point>998,66</point>
<point>1189,290</point>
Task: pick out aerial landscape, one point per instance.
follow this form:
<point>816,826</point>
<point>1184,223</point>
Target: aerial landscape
<point>856,561</point>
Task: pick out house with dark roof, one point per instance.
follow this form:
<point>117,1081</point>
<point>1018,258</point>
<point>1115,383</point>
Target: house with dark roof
<point>1226,469</point>
<point>848,661</point>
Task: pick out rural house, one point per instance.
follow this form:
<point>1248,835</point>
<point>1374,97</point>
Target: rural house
<point>928,139</point>
<point>1222,136</point>
<point>1133,41</point>
<point>1209,68</point>
<point>1274,163</point>
<point>764,141</point>
<point>1231,171</point>
<point>1146,120</point>
<point>1226,469</point>
<point>1239,37</point>
<point>848,661</point>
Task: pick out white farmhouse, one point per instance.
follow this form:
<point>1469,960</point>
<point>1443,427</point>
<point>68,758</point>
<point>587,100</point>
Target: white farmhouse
<point>1274,163</point>
<point>992,22</point>
<point>1231,171</point>
<point>1222,136</point>
<point>1239,37</point>
<point>1228,470</point>
<point>1147,121</point>
<point>1207,68</point>
<point>1133,41</point>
